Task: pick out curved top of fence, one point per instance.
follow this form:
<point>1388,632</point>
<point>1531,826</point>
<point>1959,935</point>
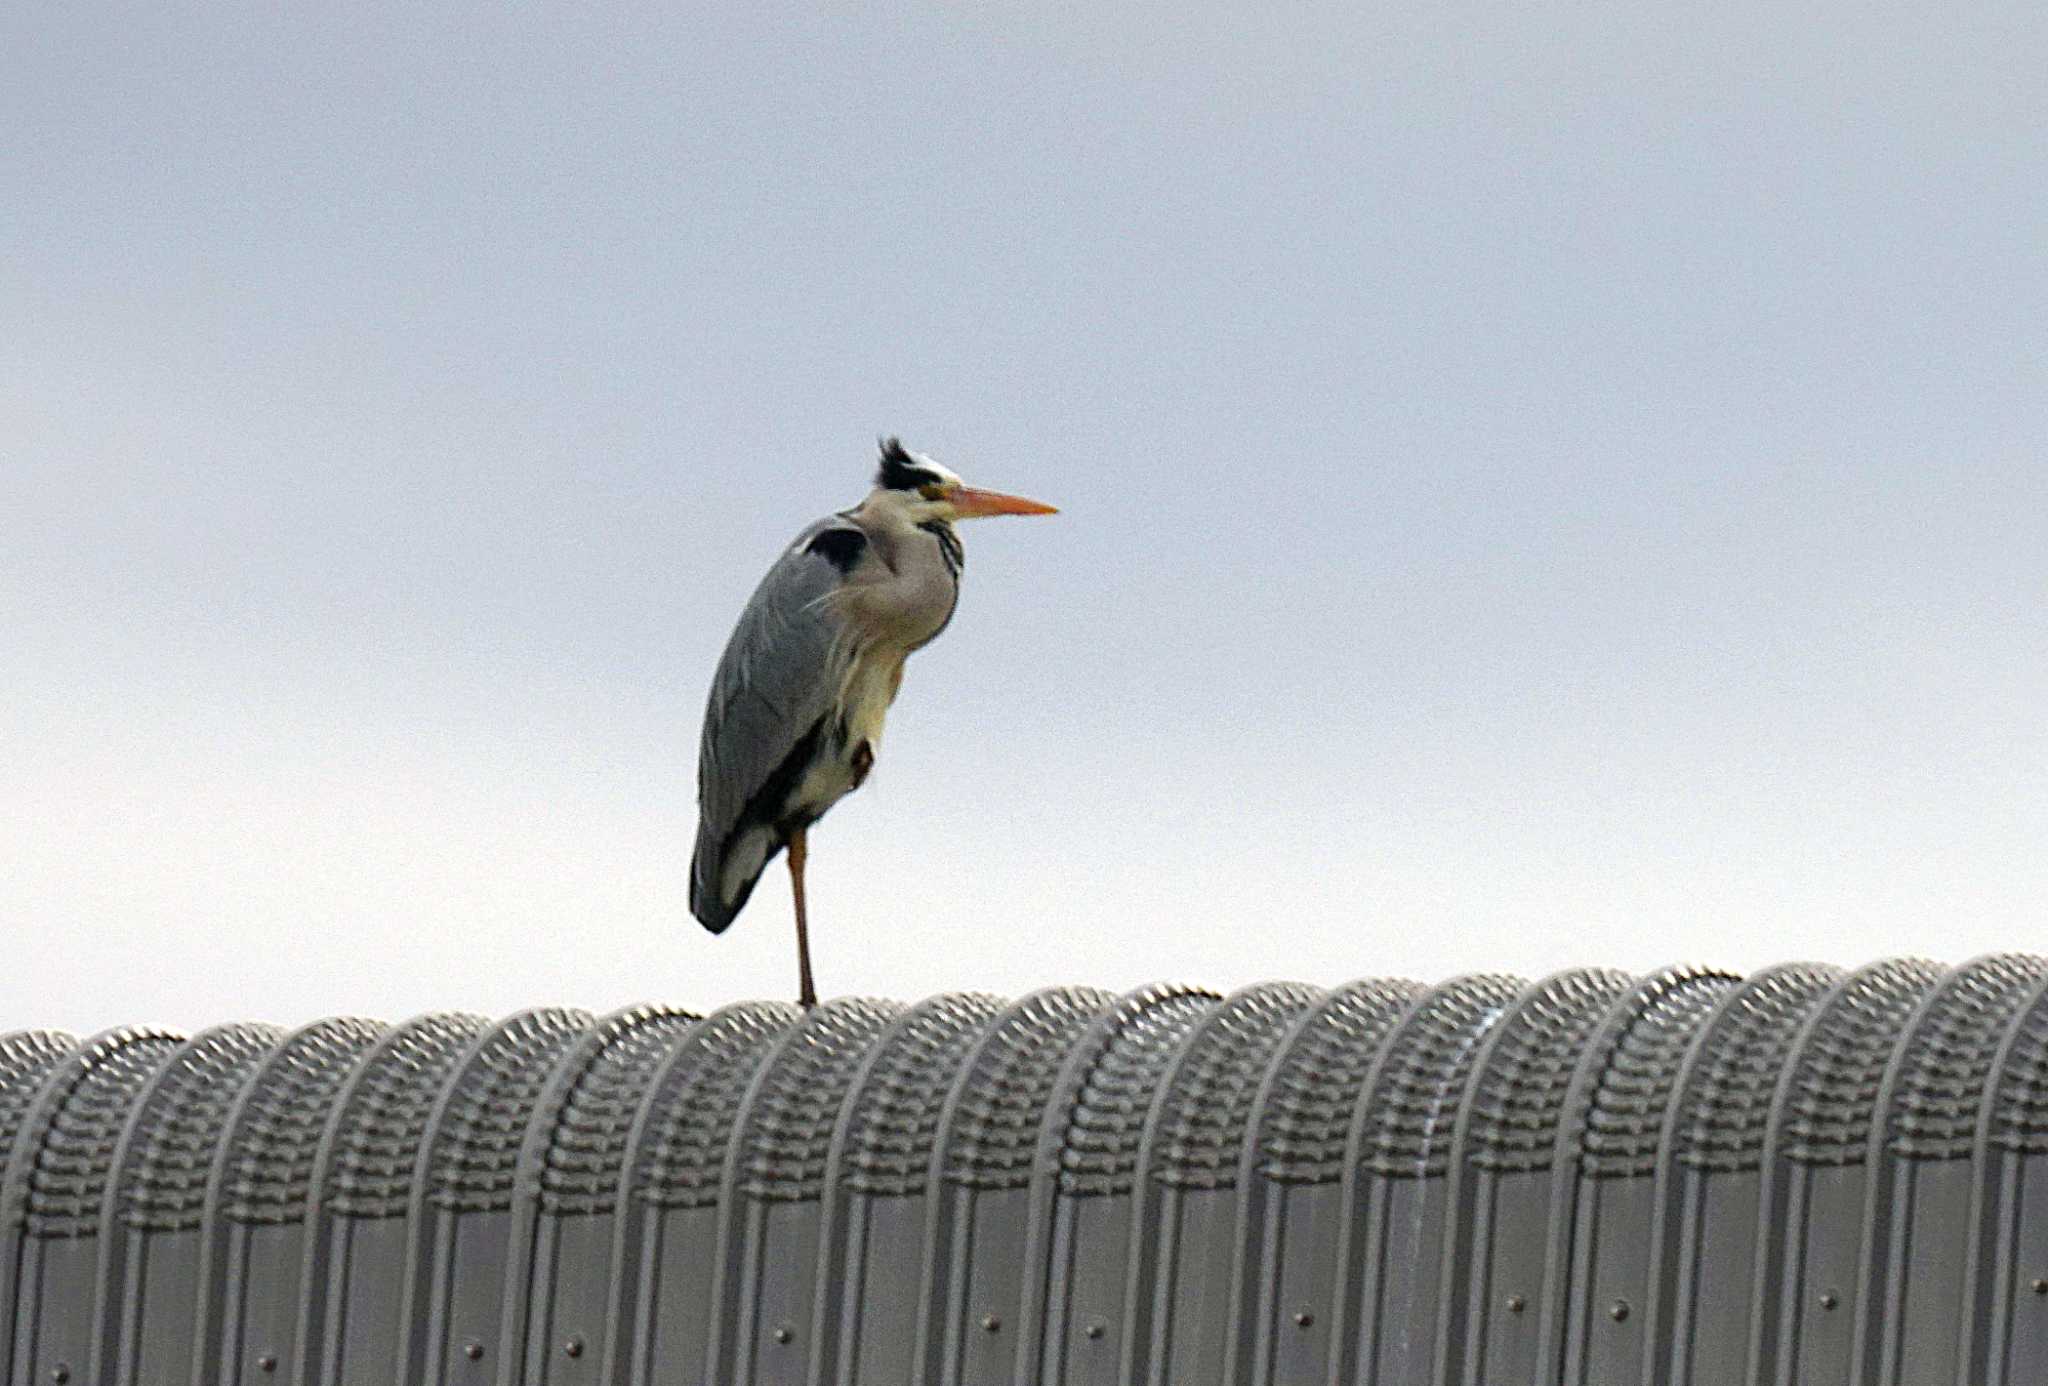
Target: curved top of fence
<point>1686,1177</point>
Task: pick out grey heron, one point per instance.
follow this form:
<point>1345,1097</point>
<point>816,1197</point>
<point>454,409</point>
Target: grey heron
<point>795,714</point>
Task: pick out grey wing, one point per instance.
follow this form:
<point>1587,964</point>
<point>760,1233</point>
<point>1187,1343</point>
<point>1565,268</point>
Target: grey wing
<point>779,678</point>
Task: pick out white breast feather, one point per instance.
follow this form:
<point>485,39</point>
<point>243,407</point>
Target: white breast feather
<point>869,688</point>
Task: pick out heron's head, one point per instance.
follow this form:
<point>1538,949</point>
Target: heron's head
<point>925,490</point>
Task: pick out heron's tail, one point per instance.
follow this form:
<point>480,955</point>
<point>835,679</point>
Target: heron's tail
<point>723,873</point>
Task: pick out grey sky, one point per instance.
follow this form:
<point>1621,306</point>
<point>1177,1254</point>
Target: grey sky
<point>1540,487</point>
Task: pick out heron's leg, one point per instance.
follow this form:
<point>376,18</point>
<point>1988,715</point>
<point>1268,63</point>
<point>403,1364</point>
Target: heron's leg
<point>807,994</point>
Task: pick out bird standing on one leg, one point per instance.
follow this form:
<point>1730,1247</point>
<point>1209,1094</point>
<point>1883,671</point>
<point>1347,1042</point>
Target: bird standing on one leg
<point>796,707</point>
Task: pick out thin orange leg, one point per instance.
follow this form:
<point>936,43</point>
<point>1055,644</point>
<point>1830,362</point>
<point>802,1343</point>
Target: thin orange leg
<point>807,994</point>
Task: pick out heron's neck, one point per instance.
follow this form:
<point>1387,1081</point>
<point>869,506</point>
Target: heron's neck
<point>950,547</point>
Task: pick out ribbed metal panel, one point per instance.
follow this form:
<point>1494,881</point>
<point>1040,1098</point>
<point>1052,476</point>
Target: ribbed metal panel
<point>1188,1196</point>
<point>1815,1175</point>
<point>1392,1248</point>
<point>460,1212</point>
<point>151,1233</point>
<point>567,1193</point>
<point>1504,1178</point>
<point>1074,1314</point>
<point>981,1186</point>
<point>1704,1240</point>
<point>54,1206</point>
<point>771,1196</point>
<point>2006,1340</point>
<point>663,1275</point>
<point>1806,1176</point>
<point>253,1259</point>
<point>877,1198</point>
<point>1292,1188</point>
<point>1604,1200</point>
<point>358,1253</point>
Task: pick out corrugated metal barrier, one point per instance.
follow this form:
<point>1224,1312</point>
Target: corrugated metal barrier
<point>1808,1177</point>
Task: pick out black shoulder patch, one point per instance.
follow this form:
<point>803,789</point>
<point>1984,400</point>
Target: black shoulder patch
<point>842,544</point>
<point>902,472</point>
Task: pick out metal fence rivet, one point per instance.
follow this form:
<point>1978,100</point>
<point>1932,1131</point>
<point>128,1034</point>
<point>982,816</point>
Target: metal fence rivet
<point>61,1373</point>
<point>2041,1285</point>
<point>784,1334</point>
<point>473,1350</point>
<point>1619,1311</point>
<point>1516,1304</point>
<point>573,1348</point>
<point>1095,1329</point>
<point>267,1362</point>
<point>1829,1299</point>
<point>990,1323</point>
<point>1304,1319</point>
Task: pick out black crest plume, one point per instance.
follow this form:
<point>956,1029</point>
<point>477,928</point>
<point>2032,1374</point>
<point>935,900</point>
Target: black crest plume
<point>900,471</point>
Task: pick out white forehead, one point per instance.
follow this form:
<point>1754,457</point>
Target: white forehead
<point>932,464</point>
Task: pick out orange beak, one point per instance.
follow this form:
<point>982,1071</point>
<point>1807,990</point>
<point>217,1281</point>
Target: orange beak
<point>970,504</point>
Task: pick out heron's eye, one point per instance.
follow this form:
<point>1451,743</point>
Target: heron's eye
<point>931,492</point>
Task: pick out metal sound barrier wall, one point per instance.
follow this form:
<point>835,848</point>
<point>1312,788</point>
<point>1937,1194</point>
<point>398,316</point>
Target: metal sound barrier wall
<point>1807,1177</point>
